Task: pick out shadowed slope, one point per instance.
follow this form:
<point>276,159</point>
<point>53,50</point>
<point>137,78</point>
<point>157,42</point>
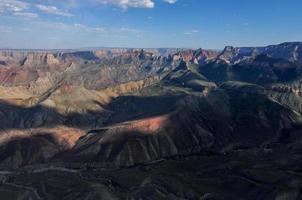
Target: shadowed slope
<point>198,123</point>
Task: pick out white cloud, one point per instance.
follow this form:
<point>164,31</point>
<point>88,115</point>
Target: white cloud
<point>16,8</point>
<point>129,3</point>
<point>124,4</point>
<point>88,28</point>
<point>53,10</point>
<point>26,15</point>
<point>130,30</point>
<point>170,1</point>
<point>191,32</point>
<point>132,3</point>
<point>12,6</point>
<point>63,27</point>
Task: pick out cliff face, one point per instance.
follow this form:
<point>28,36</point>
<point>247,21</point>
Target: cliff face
<point>199,56</point>
<point>287,51</point>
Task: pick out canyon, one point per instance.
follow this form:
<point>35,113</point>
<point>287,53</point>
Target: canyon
<point>118,123</point>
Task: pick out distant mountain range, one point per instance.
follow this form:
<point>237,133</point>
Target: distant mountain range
<point>290,51</point>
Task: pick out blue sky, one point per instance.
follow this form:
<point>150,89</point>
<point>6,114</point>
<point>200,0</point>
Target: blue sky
<point>210,24</point>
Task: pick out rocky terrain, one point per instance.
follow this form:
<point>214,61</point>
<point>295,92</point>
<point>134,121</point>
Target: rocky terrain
<point>152,124</point>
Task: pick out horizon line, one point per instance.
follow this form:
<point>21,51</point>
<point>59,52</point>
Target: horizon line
<point>135,48</point>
